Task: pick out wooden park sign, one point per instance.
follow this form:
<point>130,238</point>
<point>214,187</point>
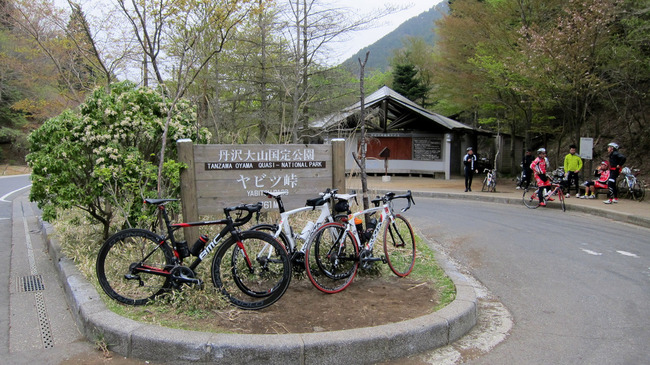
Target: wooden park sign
<point>218,176</point>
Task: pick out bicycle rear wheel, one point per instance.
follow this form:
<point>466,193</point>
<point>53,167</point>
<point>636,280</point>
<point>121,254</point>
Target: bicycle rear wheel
<point>331,258</point>
<point>253,273</point>
<point>560,196</point>
<point>119,259</point>
<point>637,192</point>
<point>530,198</point>
<point>493,186</point>
<point>399,246</point>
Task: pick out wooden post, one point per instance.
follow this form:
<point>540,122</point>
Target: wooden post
<point>338,164</point>
<point>188,189</point>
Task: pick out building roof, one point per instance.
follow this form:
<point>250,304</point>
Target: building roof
<point>402,114</point>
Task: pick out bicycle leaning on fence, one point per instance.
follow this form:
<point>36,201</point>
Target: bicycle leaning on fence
<point>136,265</point>
<point>335,251</point>
<point>284,232</point>
<point>531,197</point>
<point>630,186</point>
<point>490,180</point>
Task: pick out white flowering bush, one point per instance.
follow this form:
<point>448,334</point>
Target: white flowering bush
<point>103,157</point>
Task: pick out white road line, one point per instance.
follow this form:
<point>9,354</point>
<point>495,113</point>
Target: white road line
<point>12,192</point>
<point>591,252</point>
<point>625,253</point>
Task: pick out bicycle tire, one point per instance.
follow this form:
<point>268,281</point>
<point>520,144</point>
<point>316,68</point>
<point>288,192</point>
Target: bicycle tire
<point>530,198</point>
<point>560,195</point>
<point>623,188</point>
<point>259,284</point>
<point>331,258</point>
<point>399,246</point>
<point>637,192</point>
<point>271,229</point>
<point>121,253</point>
<point>493,186</point>
<point>485,186</point>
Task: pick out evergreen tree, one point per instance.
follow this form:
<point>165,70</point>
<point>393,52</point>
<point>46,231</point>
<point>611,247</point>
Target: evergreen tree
<point>407,82</point>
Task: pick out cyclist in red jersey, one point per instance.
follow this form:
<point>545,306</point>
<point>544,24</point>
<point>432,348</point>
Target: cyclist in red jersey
<point>539,168</point>
<point>603,176</point>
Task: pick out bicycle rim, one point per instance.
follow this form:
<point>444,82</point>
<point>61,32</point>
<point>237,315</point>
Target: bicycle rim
<point>253,273</point>
<point>331,258</point>
<point>562,198</point>
<point>637,192</point>
<point>530,198</point>
<point>399,246</point>
<point>118,257</point>
<point>484,187</point>
<point>493,186</point>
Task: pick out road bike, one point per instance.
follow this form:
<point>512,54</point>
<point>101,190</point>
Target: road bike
<point>284,232</point>
<point>136,265</point>
<point>531,198</point>
<point>490,180</point>
<point>335,251</point>
<point>630,186</point>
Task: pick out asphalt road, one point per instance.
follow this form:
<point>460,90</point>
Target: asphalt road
<point>577,286</point>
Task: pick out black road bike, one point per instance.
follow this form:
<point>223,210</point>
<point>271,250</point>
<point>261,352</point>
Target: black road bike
<point>136,265</point>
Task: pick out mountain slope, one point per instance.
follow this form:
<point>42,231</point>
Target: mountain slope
<point>422,26</point>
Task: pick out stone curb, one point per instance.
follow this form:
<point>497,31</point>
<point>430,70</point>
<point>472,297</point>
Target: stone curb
<point>160,344</point>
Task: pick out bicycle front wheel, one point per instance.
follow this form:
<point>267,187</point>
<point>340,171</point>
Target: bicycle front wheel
<point>252,273</point>
<point>493,186</point>
<point>399,246</point>
<point>560,195</point>
<point>131,266</point>
<point>331,258</point>
<point>624,189</point>
<point>530,198</point>
<point>485,185</point>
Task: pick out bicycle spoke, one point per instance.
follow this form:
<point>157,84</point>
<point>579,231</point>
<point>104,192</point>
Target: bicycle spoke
<point>331,258</point>
<point>399,246</point>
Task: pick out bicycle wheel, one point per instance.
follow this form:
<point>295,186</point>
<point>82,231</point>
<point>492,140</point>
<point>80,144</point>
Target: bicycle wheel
<point>121,254</point>
<point>560,196</point>
<point>493,186</point>
<point>399,246</point>
<point>623,188</point>
<point>485,185</point>
<point>637,192</point>
<point>530,198</point>
<point>253,273</point>
<point>331,258</point>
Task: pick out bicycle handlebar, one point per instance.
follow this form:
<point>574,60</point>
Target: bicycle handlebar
<point>248,208</point>
<point>391,196</point>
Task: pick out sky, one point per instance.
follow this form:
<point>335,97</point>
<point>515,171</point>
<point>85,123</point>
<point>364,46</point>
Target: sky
<point>365,38</point>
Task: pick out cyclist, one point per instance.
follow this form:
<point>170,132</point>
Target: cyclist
<point>539,168</point>
<point>616,162</point>
<point>572,166</point>
<point>603,176</point>
<point>470,161</point>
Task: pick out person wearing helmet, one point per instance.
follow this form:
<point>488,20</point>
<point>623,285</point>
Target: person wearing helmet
<point>572,166</point>
<point>616,162</point>
<point>470,167</point>
<point>603,173</point>
<point>539,167</point>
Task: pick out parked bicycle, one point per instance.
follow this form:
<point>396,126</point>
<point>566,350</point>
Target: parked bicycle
<point>531,197</point>
<point>136,265</point>
<point>490,180</point>
<point>629,186</point>
<point>284,232</point>
<point>335,251</point>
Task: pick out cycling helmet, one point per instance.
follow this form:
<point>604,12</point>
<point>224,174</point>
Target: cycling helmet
<point>605,163</point>
<point>541,150</point>
<point>469,149</point>
<point>613,145</point>
<point>626,171</point>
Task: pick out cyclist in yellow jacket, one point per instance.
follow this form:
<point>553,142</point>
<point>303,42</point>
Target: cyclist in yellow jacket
<point>572,166</point>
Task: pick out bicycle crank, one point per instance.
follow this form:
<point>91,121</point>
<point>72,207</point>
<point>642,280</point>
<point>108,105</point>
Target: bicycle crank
<point>184,275</point>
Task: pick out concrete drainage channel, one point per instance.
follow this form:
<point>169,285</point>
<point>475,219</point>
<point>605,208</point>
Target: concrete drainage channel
<point>366,345</point>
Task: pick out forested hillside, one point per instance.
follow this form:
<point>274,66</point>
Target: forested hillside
<point>551,71</point>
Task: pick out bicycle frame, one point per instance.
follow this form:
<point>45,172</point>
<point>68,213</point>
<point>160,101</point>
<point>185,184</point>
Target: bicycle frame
<point>284,226</point>
<point>230,227</point>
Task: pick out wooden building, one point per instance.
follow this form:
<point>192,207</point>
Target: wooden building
<point>417,140</point>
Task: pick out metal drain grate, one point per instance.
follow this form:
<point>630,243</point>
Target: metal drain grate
<point>31,283</point>
<point>44,322</point>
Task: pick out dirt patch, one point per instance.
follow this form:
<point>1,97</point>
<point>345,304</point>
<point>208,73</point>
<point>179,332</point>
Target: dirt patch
<point>303,309</point>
